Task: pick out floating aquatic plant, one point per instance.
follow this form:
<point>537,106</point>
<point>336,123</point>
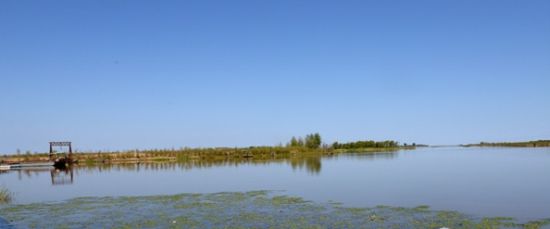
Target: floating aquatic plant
<point>257,209</point>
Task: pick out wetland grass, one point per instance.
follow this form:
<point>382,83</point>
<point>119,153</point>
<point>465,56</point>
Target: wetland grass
<point>5,196</point>
<point>310,146</point>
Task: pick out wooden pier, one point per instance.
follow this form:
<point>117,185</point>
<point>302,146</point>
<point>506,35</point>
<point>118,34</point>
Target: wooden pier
<point>30,165</point>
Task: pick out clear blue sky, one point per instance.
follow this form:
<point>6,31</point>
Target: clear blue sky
<point>161,74</point>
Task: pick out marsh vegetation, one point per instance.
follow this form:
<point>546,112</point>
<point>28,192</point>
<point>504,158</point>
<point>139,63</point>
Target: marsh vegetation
<point>5,195</point>
<point>254,209</point>
<point>297,148</point>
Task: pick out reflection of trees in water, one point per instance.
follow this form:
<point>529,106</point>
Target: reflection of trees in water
<point>370,156</point>
<point>311,163</point>
<point>58,176</point>
<point>29,172</point>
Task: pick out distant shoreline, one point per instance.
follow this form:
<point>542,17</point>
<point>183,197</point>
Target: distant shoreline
<point>310,145</point>
<point>531,144</point>
<point>252,152</point>
<point>201,154</point>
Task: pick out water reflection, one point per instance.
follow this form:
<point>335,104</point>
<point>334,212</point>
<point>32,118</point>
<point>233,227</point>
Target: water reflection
<point>479,181</point>
<point>62,176</point>
<point>29,172</point>
<point>312,164</point>
<point>58,176</point>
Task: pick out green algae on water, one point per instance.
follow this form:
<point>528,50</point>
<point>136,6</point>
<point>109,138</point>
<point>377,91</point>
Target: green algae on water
<point>255,209</point>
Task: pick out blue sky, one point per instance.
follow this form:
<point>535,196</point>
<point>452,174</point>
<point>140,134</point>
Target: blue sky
<point>114,75</point>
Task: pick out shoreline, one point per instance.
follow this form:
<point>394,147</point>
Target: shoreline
<point>526,144</point>
<point>183,155</point>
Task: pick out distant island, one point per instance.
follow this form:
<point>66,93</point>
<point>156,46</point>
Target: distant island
<point>537,143</point>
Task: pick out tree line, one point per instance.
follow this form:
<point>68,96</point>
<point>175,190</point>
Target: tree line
<point>537,143</point>
<point>311,141</point>
<point>365,144</point>
<point>314,141</point>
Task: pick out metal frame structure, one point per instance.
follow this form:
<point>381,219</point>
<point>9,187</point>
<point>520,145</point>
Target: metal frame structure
<point>61,144</point>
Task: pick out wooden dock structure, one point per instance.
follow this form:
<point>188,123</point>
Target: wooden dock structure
<point>30,165</point>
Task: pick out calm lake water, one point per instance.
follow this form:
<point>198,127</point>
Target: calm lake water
<point>478,181</point>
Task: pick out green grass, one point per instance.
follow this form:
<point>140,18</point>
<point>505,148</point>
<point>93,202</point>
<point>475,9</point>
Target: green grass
<point>5,196</point>
<point>203,155</point>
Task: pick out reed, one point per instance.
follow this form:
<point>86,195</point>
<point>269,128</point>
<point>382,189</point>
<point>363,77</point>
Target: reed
<point>5,195</point>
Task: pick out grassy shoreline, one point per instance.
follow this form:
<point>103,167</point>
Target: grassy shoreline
<point>194,154</point>
<point>310,145</point>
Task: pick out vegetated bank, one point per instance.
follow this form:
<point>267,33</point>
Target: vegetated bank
<point>310,145</point>
<point>537,143</point>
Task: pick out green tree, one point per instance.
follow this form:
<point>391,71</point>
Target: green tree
<point>300,142</point>
<point>296,142</point>
<point>313,141</point>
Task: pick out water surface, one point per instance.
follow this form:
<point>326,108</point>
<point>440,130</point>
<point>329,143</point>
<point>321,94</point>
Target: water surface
<point>478,181</point>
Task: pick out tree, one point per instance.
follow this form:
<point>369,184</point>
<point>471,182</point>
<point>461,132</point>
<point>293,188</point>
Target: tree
<point>365,144</point>
<point>300,142</point>
<point>296,142</point>
<point>293,142</point>
<point>313,141</point>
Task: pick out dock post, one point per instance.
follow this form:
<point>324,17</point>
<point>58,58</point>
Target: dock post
<point>51,151</point>
<point>70,153</point>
